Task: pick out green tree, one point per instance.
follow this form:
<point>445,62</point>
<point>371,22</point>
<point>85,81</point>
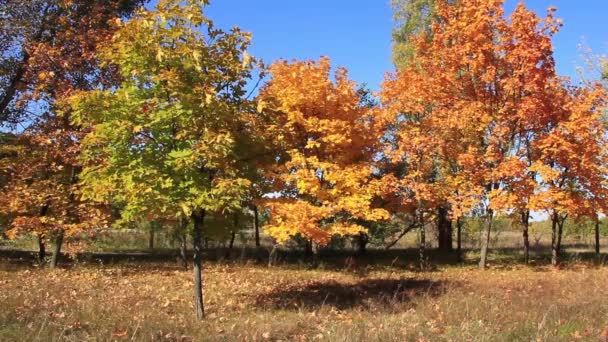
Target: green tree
<point>412,17</point>
<point>166,141</point>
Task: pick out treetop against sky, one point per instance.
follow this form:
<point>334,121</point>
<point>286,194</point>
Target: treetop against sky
<point>356,34</point>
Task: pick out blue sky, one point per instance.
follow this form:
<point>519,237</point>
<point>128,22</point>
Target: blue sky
<point>357,34</point>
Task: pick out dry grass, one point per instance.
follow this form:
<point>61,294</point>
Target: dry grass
<point>151,302</point>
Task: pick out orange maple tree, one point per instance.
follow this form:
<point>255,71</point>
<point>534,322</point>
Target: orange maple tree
<point>571,167</point>
<point>481,87</point>
<point>323,181</point>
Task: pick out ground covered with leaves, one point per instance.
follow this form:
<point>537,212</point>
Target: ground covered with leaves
<point>152,302</point>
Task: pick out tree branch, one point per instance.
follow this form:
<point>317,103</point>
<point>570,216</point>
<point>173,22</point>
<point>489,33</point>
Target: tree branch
<point>405,231</point>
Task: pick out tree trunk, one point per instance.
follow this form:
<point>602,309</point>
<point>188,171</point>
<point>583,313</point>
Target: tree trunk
<point>444,229</point>
<point>422,245</point>
<point>57,249</point>
<point>256,225</point>
<point>560,232</point>
<point>362,241</point>
<point>401,235</point>
<point>197,248</point>
<point>231,243</point>
<point>232,236</point>
<point>60,234</point>
<point>459,235</point>
<point>316,261</point>
<point>422,249</point>
<point>272,255</point>
<point>183,250</point>
<point>41,249</point>
<point>554,248</point>
<point>525,220</point>
<point>41,245</point>
<point>485,241</point>
<point>151,239</point>
<point>308,248</point>
<point>597,237</point>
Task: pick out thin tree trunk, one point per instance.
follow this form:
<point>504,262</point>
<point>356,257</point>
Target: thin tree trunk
<point>485,241</point>
<point>272,255</point>
<point>459,235</point>
<point>230,245</point>
<point>444,229</point>
<point>41,245</point>
<point>57,249</point>
<point>232,236</point>
<point>362,241</point>
<point>597,237</point>
<point>41,248</point>
<point>308,249</point>
<point>256,225</point>
<point>183,245</point>
<point>422,249</point>
<point>151,239</point>
<point>449,242</point>
<point>422,245</point>
<point>560,232</point>
<point>525,220</point>
<point>316,261</point>
<point>60,235</point>
<point>401,235</point>
<point>554,248</point>
<point>197,247</point>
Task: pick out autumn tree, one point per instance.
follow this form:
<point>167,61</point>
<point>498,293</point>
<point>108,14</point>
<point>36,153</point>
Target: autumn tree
<point>480,83</point>
<point>48,48</point>
<point>414,18</point>
<point>164,141</point>
<point>40,192</point>
<point>323,178</point>
<point>572,163</point>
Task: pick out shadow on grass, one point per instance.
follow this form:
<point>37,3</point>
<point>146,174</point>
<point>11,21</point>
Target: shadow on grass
<point>365,294</point>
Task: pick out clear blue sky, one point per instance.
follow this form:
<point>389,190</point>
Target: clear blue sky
<point>357,34</point>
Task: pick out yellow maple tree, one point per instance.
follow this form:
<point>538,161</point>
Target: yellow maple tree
<point>323,181</point>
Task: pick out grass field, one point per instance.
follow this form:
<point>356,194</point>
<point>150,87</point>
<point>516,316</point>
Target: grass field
<point>147,300</point>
